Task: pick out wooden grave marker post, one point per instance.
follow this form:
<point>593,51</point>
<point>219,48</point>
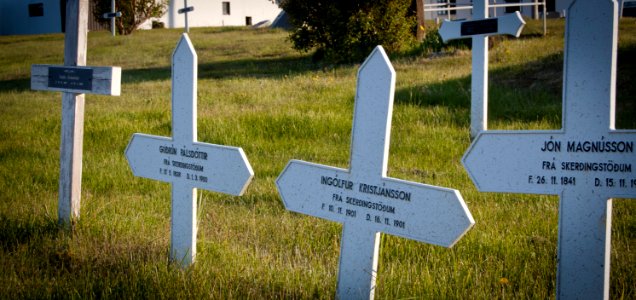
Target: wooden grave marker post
<point>185,162</point>
<point>185,10</point>
<point>479,28</point>
<point>112,15</point>
<point>363,198</point>
<point>74,80</point>
<point>586,163</point>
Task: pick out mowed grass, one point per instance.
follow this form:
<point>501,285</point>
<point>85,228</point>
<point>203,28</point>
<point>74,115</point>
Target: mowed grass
<point>256,92</point>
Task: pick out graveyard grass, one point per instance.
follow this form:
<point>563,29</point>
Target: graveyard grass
<point>257,93</point>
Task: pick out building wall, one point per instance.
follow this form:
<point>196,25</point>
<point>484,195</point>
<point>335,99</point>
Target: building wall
<point>15,19</point>
<point>210,13</point>
<point>526,11</point>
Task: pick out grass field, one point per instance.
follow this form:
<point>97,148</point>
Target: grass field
<point>256,92</point>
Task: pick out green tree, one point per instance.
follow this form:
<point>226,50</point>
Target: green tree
<point>347,31</point>
<point>133,12</point>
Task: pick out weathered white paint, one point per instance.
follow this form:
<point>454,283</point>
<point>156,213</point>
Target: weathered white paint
<point>72,132</point>
<point>105,80</point>
<point>183,161</point>
<point>532,161</point>
<point>430,214</point>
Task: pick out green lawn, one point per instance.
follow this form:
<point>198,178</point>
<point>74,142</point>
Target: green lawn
<point>256,92</point>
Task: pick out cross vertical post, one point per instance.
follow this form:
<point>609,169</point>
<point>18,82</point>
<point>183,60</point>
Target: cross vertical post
<point>586,163</point>
<point>479,78</point>
<point>112,20</point>
<point>72,136</point>
<point>112,15</point>
<point>479,28</point>
<point>363,198</point>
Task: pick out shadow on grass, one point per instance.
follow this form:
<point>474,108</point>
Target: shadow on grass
<point>16,85</point>
<point>243,68</point>
<point>517,93</point>
<point>19,232</point>
<point>525,93</point>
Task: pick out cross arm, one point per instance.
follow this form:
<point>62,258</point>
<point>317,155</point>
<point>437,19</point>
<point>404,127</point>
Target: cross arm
<point>510,24</point>
<point>548,162</point>
<point>412,210</point>
<point>508,161</point>
<point>212,167</point>
<point>80,80</point>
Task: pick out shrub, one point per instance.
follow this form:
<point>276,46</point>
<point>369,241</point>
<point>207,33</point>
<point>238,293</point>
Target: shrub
<point>134,12</point>
<point>347,31</point>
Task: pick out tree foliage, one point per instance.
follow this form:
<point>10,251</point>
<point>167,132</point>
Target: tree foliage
<point>346,31</point>
<point>134,12</point>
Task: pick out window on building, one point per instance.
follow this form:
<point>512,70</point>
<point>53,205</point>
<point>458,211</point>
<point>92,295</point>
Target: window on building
<point>248,21</point>
<point>226,8</point>
<point>36,10</point>
<point>451,4</point>
<point>512,9</point>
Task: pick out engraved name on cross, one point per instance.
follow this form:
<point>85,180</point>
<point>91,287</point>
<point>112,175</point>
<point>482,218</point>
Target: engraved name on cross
<point>363,198</point>
<point>183,161</point>
<point>74,80</point>
<point>479,29</point>
<point>586,163</point>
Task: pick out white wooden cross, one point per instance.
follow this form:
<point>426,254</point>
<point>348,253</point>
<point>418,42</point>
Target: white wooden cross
<point>185,162</point>
<point>363,198</point>
<point>74,81</point>
<point>479,29</point>
<point>112,15</point>
<point>586,163</point>
<point>185,10</point>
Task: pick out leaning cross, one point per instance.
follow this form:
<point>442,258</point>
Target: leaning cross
<point>183,161</point>
<point>479,29</point>
<point>74,80</point>
<point>363,198</point>
<point>112,15</point>
<point>185,10</point>
<point>586,163</point>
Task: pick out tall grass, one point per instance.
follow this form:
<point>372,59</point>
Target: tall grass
<point>256,92</point>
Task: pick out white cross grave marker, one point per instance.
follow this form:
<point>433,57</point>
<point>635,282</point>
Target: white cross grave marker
<point>479,29</point>
<point>74,80</point>
<point>586,163</point>
<point>363,198</point>
<point>112,15</point>
<point>185,10</point>
<point>183,161</point>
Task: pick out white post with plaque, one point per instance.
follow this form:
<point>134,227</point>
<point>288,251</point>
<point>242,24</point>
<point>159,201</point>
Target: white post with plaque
<point>363,198</point>
<point>74,80</point>
<point>183,161</point>
<point>479,29</point>
<point>586,163</point>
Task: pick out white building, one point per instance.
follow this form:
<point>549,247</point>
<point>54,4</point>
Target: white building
<point>48,16</point>
<point>553,8</point>
<point>214,13</point>
<point>30,16</point>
